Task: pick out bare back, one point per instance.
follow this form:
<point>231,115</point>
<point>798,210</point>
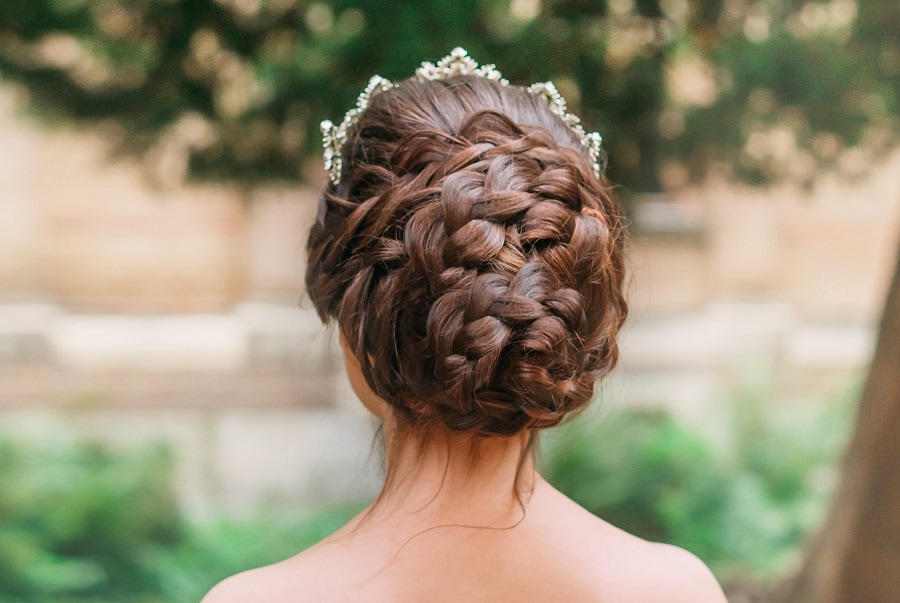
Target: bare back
<point>558,552</point>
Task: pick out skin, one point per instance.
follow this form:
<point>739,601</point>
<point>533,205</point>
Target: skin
<point>450,528</point>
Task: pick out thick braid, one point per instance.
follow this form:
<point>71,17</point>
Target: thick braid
<point>476,271</point>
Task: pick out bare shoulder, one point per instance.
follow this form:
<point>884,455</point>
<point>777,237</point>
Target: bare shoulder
<point>682,576</point>
<point>286,581</point>
<point>651,572</point>
<point>252,585</point>
<point>236,588</point>
<point>614,565</point>
<point>308,576</point>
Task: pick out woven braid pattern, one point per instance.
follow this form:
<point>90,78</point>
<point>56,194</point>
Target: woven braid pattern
<point>477,275</point>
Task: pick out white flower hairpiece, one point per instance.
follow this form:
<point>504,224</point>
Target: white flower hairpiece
<point>458,62</point>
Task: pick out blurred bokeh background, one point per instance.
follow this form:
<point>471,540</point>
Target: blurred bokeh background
<point>171,409</point>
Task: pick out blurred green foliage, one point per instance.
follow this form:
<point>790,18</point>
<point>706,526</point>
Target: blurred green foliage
<point>234,89</point>
<point>744,505</point>
<point>799,86</point>
<point>80,524</point>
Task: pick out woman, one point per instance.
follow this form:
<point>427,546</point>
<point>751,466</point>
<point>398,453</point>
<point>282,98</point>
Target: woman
<point>470,250</point>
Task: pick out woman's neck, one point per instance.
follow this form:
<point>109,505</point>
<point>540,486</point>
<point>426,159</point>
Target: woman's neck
<point>448,478</point>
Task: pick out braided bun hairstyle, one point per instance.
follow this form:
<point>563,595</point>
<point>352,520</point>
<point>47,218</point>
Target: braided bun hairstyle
<point>471,257</point>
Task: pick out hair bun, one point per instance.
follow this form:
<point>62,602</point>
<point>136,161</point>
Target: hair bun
<point>479,283</point>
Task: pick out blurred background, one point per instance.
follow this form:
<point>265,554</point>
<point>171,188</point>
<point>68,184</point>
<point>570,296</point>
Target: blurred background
<point>171,409</point>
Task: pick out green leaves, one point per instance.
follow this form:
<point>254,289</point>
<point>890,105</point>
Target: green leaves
<point>797,86</point>
<point>81,524</point>
<point>78,521</point>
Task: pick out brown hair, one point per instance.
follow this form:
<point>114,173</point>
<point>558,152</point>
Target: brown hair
<point>471,257</point>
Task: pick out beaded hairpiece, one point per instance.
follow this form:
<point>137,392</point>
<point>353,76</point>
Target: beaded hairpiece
<point>458,62</point>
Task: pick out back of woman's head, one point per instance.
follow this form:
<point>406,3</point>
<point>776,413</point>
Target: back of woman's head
<point>471,257</point>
